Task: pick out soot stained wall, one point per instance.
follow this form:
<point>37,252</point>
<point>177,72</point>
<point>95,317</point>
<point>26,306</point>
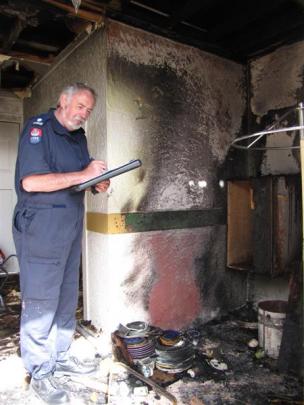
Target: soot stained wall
<point>177,109</point>
<point>276,86</point>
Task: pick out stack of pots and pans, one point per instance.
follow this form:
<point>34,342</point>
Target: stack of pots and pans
<point>174,353</point>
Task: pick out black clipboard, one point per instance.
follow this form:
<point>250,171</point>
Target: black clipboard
<point>133,164</point>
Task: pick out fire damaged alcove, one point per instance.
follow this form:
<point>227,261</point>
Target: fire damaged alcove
<point>191,284</point>
<point>264,228</point>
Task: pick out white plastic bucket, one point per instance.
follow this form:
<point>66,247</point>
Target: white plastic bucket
<point>271,317</point>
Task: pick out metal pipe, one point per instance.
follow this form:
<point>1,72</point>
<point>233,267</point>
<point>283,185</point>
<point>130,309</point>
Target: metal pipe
<point>301,123</point>
<point>272,126</point>
<point>262,133</point>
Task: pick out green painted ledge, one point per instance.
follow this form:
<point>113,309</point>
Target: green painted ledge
<point>154,221</point>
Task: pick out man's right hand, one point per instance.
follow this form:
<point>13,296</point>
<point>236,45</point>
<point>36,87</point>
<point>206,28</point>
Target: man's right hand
<point>94,169</point>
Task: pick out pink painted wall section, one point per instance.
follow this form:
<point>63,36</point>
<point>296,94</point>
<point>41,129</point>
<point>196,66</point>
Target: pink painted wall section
<point>174,298</point>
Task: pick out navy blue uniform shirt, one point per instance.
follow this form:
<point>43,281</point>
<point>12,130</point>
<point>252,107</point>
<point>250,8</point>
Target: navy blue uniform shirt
<point>46,146</point>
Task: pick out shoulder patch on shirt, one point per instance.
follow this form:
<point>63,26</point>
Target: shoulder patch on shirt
<point>35,135</point>
<point>38,121</point>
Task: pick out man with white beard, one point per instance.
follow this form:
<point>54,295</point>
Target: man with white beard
<point>47,227</point>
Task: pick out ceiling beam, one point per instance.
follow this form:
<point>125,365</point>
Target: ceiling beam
<point>93,6</point>
<point>39,46</point>
<point>84,14</point>
<point>23,56</point>
<point>22,9</point>
<point>31,44</point>
<point>13,35</point>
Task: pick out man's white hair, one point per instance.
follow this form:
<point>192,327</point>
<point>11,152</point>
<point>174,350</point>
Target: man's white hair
<point>71,89</point>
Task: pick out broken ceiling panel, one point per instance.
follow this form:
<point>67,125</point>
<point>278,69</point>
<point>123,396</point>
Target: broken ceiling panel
<point>33,33</point>
<point>37,31</point>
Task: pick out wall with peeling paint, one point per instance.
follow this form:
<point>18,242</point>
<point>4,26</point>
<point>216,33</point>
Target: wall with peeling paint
<point>168,278</point>
<point>276,85</point>
<point>177,109</point>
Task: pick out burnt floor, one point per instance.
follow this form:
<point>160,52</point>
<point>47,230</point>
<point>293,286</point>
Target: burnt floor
<point>249,378</point>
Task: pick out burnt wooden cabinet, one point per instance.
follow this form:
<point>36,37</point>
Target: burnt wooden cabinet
<point>264,224</point>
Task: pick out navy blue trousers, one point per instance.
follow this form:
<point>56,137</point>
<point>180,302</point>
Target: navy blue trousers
<point>48,244</point>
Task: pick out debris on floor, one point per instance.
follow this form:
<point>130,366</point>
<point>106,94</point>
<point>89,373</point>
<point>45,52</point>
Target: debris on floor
<point>220,362</point>
<point>216,363</point>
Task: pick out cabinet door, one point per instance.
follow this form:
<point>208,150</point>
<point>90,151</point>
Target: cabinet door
<point>262,225</point>
<point>264,230</point>
<point>286,223</point>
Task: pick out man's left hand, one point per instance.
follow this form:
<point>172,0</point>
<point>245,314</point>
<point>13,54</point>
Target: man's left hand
<point>103,186</point>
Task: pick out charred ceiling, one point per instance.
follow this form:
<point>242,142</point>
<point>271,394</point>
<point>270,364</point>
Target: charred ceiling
<point>35,33</point>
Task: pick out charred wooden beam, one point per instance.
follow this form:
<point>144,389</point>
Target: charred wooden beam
<point>102,3</point>
<point>35,45</point>
<point>23,56</point>
<point>39,46</point>
<point>13,35</point>
<point>78,26</point>
<point>93,6</point>
<point>23,10</point>
<point>85,15</point>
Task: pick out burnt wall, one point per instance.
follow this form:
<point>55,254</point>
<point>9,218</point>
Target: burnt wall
<point>177,109</point>
<point>155,246</point>
<point>276,87</point>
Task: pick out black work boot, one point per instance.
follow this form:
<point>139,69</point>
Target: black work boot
<point>47,390</point>
<point>73,366</point>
